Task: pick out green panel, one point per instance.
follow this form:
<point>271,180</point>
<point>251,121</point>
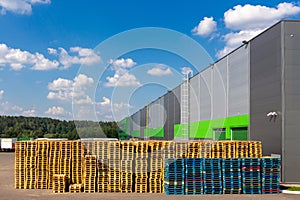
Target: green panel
<point>203,129</point>
<point>239,134</point>
<point>155,132</point>
<point>136,133</point>
<point>220,134</point>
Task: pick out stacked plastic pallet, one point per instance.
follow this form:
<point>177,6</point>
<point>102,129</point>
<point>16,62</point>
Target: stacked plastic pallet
<point>114,164</point>
<point>174,176</point>
<point>251,178</point>
<point>241,150</point>
<point>59,183</point>
<point>270,175</point>
<point>232,175</point>
<point>194,149</point>
<point>205,149</point>
<point>42,170</point>
<point>76,163</point>
<point>217,150</point>
<point>193,176</point>
<point>229,149</point>
<point>30,164</point>
<point>20,163</point>
<point>156,166</point>
<point>181,149</point>
<point>141,166</point>
<point>212,176</point>
<point>255,149</point>
<point>127,166</point>
<point>103,175</point>
<point>90,173</point>
<point>75,188</point>
<point>54,158</point>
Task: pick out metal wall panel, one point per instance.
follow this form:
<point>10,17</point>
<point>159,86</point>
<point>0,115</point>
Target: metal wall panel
<point>206,94</point>
<point>220,89</point>
<point>292,102</point>
<point>136,121</point>
<point>130,123</point>
<point>238,82</point>
<point>177,103</point>
<point>265,89</point>
<point>195,98</point>
<point>143,121</point>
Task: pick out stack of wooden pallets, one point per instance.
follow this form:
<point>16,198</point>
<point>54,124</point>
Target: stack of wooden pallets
<point>59,183</point>
<point>194,149</point>
<point>229,149</point>
<point>181,149</point>
<point>20,165</point>
<point>90,173</point>
<point>54,161</point>
<point>205,149</point>
<point>65,159</point>
<point>76,163</point>
<point>30,164</point>
<point>156,166</point>
<point>103,175</point>
<point>169,149</point>
<point>141,166</point>
<point>127,148</point>
<point>114,163</point>
<point>42,168</point>
<point>217,150</point>
<point>241,150</point>
<point>255,149</point>
<point>75,188</point>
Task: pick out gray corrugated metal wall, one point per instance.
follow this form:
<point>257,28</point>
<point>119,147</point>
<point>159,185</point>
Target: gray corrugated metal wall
<point>205,94</point>
<point>195,98</point>
<point>292,102</point>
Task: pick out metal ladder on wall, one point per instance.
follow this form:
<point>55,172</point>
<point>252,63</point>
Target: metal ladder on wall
<point>185,108</point>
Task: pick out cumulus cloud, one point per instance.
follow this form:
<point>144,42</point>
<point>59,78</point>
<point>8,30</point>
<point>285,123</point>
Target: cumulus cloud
<point>205,27</point>
<point>122,77</point>
<point>186,70</point>
<point>57,111</point>
<point>250,20</point>
<point>160,70</point>
<point>75,56</point>
<point>23,7</point>
<point>257,16</point>
<point>7,108</point>
<point>1,94</point>
<point>29,113</point>
<point>18,59</point>
<point>65,89</point>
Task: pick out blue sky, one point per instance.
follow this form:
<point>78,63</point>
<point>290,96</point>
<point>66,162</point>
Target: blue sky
<point>52,51</point>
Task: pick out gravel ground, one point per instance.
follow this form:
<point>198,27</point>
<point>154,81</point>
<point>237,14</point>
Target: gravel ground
<point>7,190</point>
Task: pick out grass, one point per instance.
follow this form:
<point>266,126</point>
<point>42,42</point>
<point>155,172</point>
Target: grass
<point>294,189</point>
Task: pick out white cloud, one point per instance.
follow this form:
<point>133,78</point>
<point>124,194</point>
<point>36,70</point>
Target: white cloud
<point>205,27</point>
<point>1,94</point>
<point>65,89</point>
<point>160,70</point>
<point>23,7</point>
<point>75,56</point>
<point>186,70</point>
<point>57,111</point>
<point>18,59</point>
<point>122,77</point>
<point>29,113</point>
<point>257,16</point>
<point>7,108</point>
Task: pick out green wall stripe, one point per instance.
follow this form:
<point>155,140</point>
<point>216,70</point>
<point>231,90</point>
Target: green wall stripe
<point>154,132</point>
<point>136,133</point>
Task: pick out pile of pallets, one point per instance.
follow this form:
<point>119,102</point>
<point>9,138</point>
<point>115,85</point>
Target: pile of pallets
<point>30,164</point>
<point>103,175</point>
<point>232,176</point>
<point>212,176</point>
<point>229,149</point>
<point>156,166</point>
<point>174,176</point>
<point>241,150</point>
<point>193,149</point>
<point>77,163</point>
<point>127,148</point>
<point>42,165</point>
<point>181,149</point>
<point>59,183</point>
<point>75,188</point>
<point>194,176</point>
<point>141,166</point>
<point>255,149</point>
<point>270,175</point>
<point>114,163</point>
<point>169,149</point>
<point>20,165</point>
<point>217,150</point>
<point>251,177</point>
<point>54,161</point>
<point>65,159</point>
<point>205,149</point>
<point>90,173</point>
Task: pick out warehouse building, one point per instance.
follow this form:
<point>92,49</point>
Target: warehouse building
<point>253,93</point>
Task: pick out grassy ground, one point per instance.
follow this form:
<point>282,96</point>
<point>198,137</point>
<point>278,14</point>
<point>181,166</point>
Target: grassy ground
<point>294,189</point>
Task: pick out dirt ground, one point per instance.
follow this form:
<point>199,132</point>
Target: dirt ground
<point>7,190</point>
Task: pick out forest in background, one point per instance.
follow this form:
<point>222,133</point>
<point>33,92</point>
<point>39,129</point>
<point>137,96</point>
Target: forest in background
<point>40,127</point>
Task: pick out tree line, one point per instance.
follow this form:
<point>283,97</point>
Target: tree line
<point>40,127</point>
